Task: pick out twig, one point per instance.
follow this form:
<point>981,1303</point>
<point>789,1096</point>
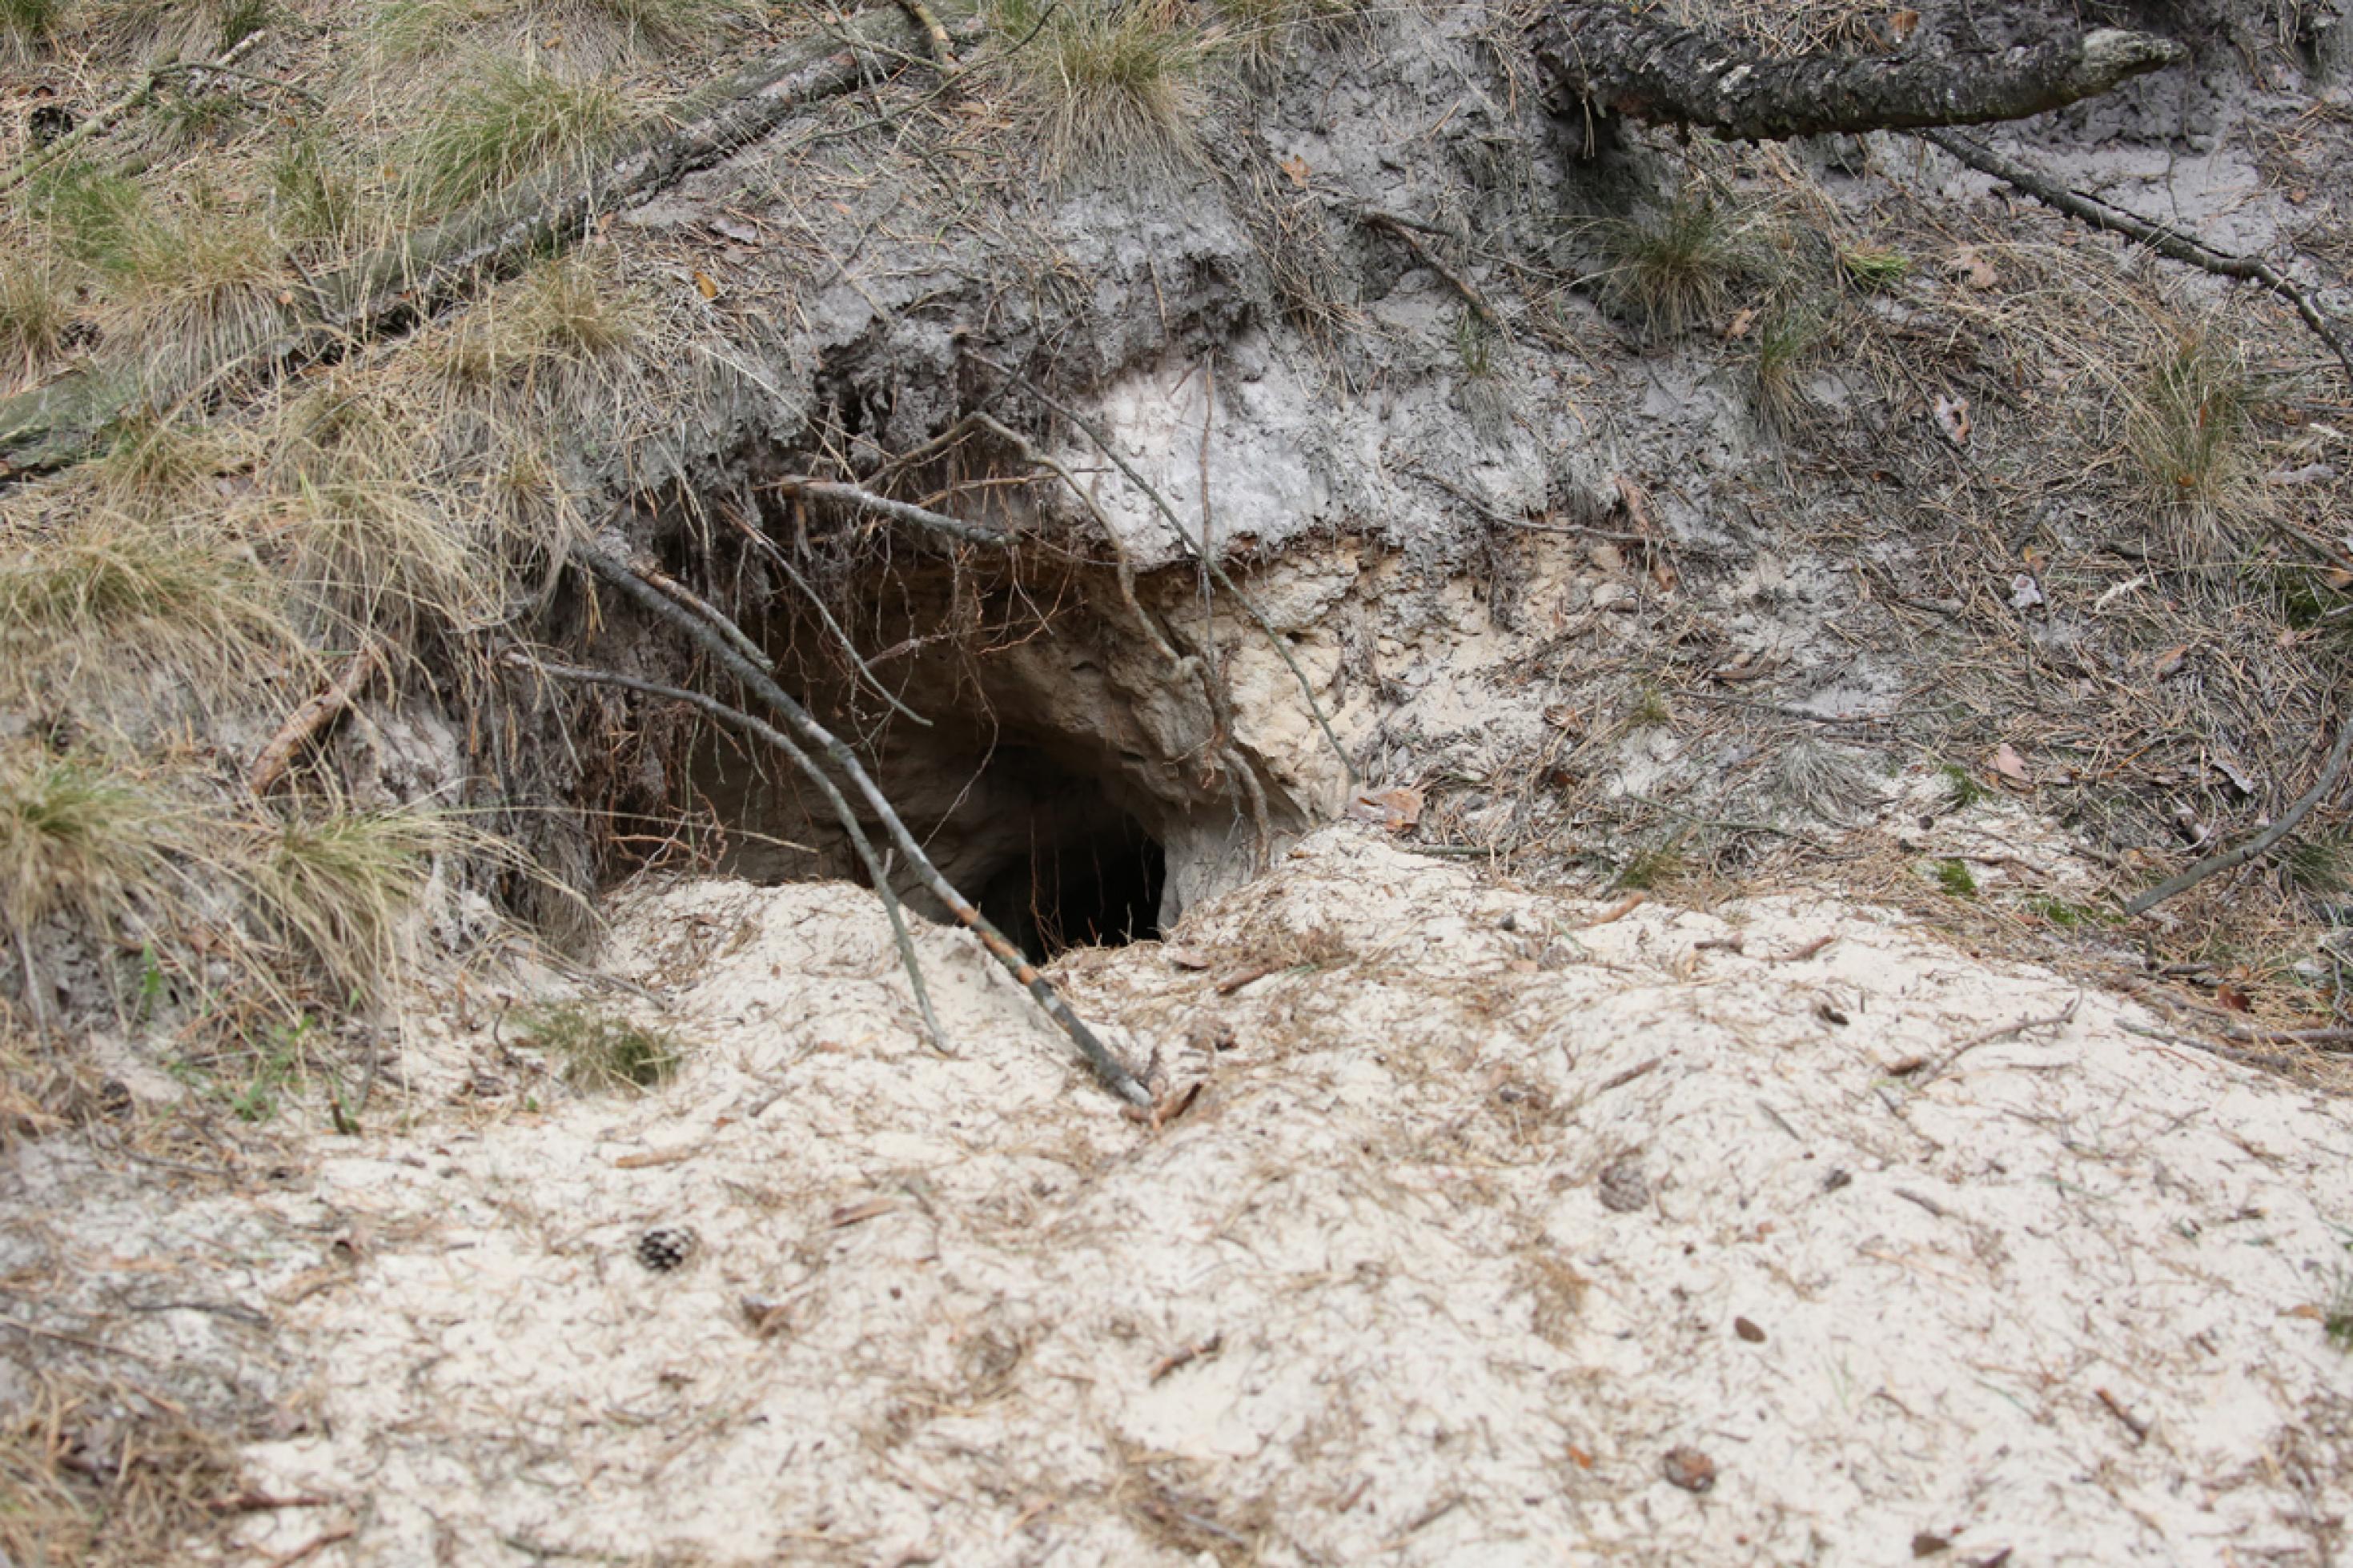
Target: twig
<point>316,1544</point>
<point>1398,227</point>
<point>687,597</point>
<point>2261,843</point>
<point>1945,1061</point>
<point>2133,1424</point>
<point>52,155</point>
<point>1186,1356</point>
<point>897,510</point>
<point>2166,242</point>
<point>1107,1067</point>
<point>863,846</point>
<point>942,50</point>
<point>312,717</point>
<point>1216,569</point>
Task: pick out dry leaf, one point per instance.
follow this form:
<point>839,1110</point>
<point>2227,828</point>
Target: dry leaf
<point>1973,269</point>
<point>1392,810</point>
<point>1637,502</point>
<point>2169,663</point>
<point>2011,765</point>
<point>1296,167</point>
<point>704,285</point>
<point>1902,24</point>
<point>1740,323</point>
<point>1953,416</point>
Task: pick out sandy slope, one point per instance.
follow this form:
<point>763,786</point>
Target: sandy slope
<point>1468,1220</point>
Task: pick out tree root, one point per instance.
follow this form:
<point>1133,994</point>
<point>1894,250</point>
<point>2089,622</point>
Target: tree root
<point>1108,1069</point>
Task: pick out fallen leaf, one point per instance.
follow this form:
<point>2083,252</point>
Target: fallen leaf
<point>1637,502</point>
<point>1579,1457</point>
<point>2011,765</point>
<point>1392,810</point>
<point>1296,167</point>
<point>2233,998</point>
<point>2170,662</point>
<point>856,1214</point>
<point>1973,269</point>
<point>1183,958</point>
<point>1748,1330</point>
<point>1953,416</point>
<point>704,285</point>
<point>1740,323</point>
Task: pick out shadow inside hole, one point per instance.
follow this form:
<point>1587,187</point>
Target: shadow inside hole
<point>1096,888</point>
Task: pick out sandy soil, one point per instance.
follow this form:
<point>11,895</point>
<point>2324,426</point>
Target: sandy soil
<point>1498,1225</point>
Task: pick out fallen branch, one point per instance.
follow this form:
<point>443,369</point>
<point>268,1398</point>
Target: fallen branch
<point>1376,218</point>
<point>55,155</point>
<point>2261,843</point>
<point>2170,243</point>
<point>313,718</point>
<point>1107,1067</point>
<point>1640,65</point>
<point>897,510</point>
<point>407,279</point>
<point>875,870</point>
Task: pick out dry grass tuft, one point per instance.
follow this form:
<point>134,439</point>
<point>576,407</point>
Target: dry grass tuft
<point>2190,429</point>
<point>599,1050</point>
<point>331,887</point>
<point>106,1476</point>
<point>155,469</point>
<point>106,591</point>
<point>25,23</point>
<point>509,119</point>
<point>75,838</point>
<point>1675,268</point>
<point>1107,83</point>
<point>35,310</point>
<point>565,320</point>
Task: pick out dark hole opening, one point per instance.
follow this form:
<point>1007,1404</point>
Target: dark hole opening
<point>1099,889</point>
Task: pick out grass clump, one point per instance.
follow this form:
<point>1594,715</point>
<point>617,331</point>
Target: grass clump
<point>599,1050</point>
<point>1788,341</point>
<point>2068,916</point>
<point>154,468</point>
<point>1954,879</point>
<point>34,311</point>
<point>332,887</point>
<point>568,315</point>
<point>311,196</point>
<point>2321,864</point>
<point>1659,866</point>
<point>74,837</point>
<point>1676,269</point>
<point>1874,270</point>
<point>513,120</point>
<point>1106,81</point>
<point>2190,429</point>
<point>1962,786</point>
<point>108,589</point>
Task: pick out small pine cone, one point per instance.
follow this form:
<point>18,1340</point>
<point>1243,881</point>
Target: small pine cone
<point>665,1247</point>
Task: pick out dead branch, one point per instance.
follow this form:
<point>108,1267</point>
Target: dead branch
<point>784,562</point>
<point>309,719</point>
<point>1374,217</point>
<point>56,153</point>
<point>875,870</point>
<point>897,510</point>
<point>1639,63</point>
<point>1107,1067</point>
<point>2261,843</point>
<point>405,280</point>
<point>2170,243</point>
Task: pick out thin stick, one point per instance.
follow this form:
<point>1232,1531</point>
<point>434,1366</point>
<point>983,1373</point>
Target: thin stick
<point>897,510</point>
<point>1944,1064</point>
<point>2166,242</point>
<point>1107,1067</point>
<point>2261,843</point>
<point>583,675</point>
<point>1217,570</point>
<point>775,552</point>
<point>54,154</point>
<point>693,601</point>
<point>312,717</point>
<point>1376,218</point>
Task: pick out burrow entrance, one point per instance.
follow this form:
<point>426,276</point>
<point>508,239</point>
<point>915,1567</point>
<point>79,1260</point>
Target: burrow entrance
<point>1060,778</point>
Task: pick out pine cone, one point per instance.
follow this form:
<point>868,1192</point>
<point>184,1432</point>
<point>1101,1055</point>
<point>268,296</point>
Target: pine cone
<point>665,1247</point>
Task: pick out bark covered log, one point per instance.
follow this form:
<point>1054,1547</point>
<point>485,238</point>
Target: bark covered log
<point>1647,69</point>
